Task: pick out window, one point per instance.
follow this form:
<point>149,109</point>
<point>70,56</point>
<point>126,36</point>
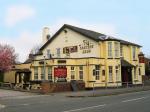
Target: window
<point>110,49</point>
<point>49,73</point>
<point>97,71</point>
<point>72,73</point>
<point>81,72</point>
<point>42,73</point>
<point>48,54</point>
<point>134,52</point>
<point>110,74</point>
<point>121,50</point>
<point>116,49</point>
<point>117,73</point>
<point>35,73</point>
<point>58,52</point>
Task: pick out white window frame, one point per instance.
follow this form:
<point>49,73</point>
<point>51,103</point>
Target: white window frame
<point>116,49</point>
<point>58,52</point>
<point>49,71</point>
<point>110,55</point>
<point>117,73</point>
<point>42,73</point>
<point>35,73</point>
<point>81,72</point>
<point>72,73</point>
<point>97,72</point>
<point>48,53</point>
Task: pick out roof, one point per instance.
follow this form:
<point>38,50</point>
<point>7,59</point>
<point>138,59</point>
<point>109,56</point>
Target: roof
<point>125,63</point>
<point>88,33</point>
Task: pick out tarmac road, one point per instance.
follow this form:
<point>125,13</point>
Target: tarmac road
<point>130,102</point>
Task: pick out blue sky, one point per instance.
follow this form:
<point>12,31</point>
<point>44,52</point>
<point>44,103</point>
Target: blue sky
<point>21,21</point>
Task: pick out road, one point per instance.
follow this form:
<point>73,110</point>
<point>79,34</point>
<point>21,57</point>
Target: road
<point>131,102</point>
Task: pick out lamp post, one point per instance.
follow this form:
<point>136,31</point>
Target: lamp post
<point>44,69</point>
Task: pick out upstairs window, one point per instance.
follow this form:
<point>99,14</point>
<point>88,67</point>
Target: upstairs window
<point>48,54</point>
<point>109,49</point>
<point>134,53</point>
<point>58,52</point>
<point>116,49</point>
<point>121,50</point>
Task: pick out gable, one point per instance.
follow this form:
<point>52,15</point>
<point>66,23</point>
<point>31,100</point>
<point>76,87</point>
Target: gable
<point>70,39</point>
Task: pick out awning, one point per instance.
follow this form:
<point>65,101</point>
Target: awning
<point>23,71</point>
<point>125,63</point>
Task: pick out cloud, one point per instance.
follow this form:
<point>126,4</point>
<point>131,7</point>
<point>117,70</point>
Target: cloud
<point>18,13</point>
<point>23,43</point>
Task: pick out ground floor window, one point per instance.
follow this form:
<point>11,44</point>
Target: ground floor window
<point>81,72</point>
<point>97,72</point>
<point>35,73</point>
<point>42,73</point>
<point>117,73</point>
<point>72,72</point>
<point>49,73</point>
<point>110,73</point>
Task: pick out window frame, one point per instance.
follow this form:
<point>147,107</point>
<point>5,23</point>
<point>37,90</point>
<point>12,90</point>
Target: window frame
<point>81,73</point>
<point>110,73</point>
<point>72,73</point>
<point>36,73</point>
<point>117,73</point>
<point>42,73</point>
<point>110,55</point>
<point>116,44</point>
<point>97,72</point>
<point>49,71</point>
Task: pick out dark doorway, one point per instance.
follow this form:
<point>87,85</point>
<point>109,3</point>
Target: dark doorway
<point>126,75</point>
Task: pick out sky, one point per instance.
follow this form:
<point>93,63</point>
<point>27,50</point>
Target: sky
<point>22,21</point>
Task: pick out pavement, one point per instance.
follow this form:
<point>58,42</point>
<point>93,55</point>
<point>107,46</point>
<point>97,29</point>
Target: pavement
<point>105,92</point>
<point>14,101</point>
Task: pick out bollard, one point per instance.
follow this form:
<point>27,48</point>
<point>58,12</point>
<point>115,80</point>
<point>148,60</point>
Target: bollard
<point>127,85</point>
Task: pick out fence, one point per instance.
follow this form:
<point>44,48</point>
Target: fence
<point>107,85</point>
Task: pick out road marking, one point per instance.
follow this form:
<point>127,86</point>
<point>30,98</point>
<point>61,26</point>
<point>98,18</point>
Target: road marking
<point>2,106</point>
<point>134,99</point>
<point>85,108</point>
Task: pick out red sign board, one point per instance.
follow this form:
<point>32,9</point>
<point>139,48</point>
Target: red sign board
<point>60,72</point>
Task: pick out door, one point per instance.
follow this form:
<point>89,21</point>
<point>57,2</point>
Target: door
<point>126,73</point>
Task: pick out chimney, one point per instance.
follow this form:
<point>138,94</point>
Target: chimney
<point>45,35</point>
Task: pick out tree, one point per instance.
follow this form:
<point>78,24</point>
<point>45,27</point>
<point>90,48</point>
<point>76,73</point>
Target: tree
<point>7,57</point>
<point>35,49</point>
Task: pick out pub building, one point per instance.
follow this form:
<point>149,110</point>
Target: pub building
<point>77,54</point>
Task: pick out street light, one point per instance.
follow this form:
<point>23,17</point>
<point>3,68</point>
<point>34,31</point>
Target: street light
<point>44,69</point>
